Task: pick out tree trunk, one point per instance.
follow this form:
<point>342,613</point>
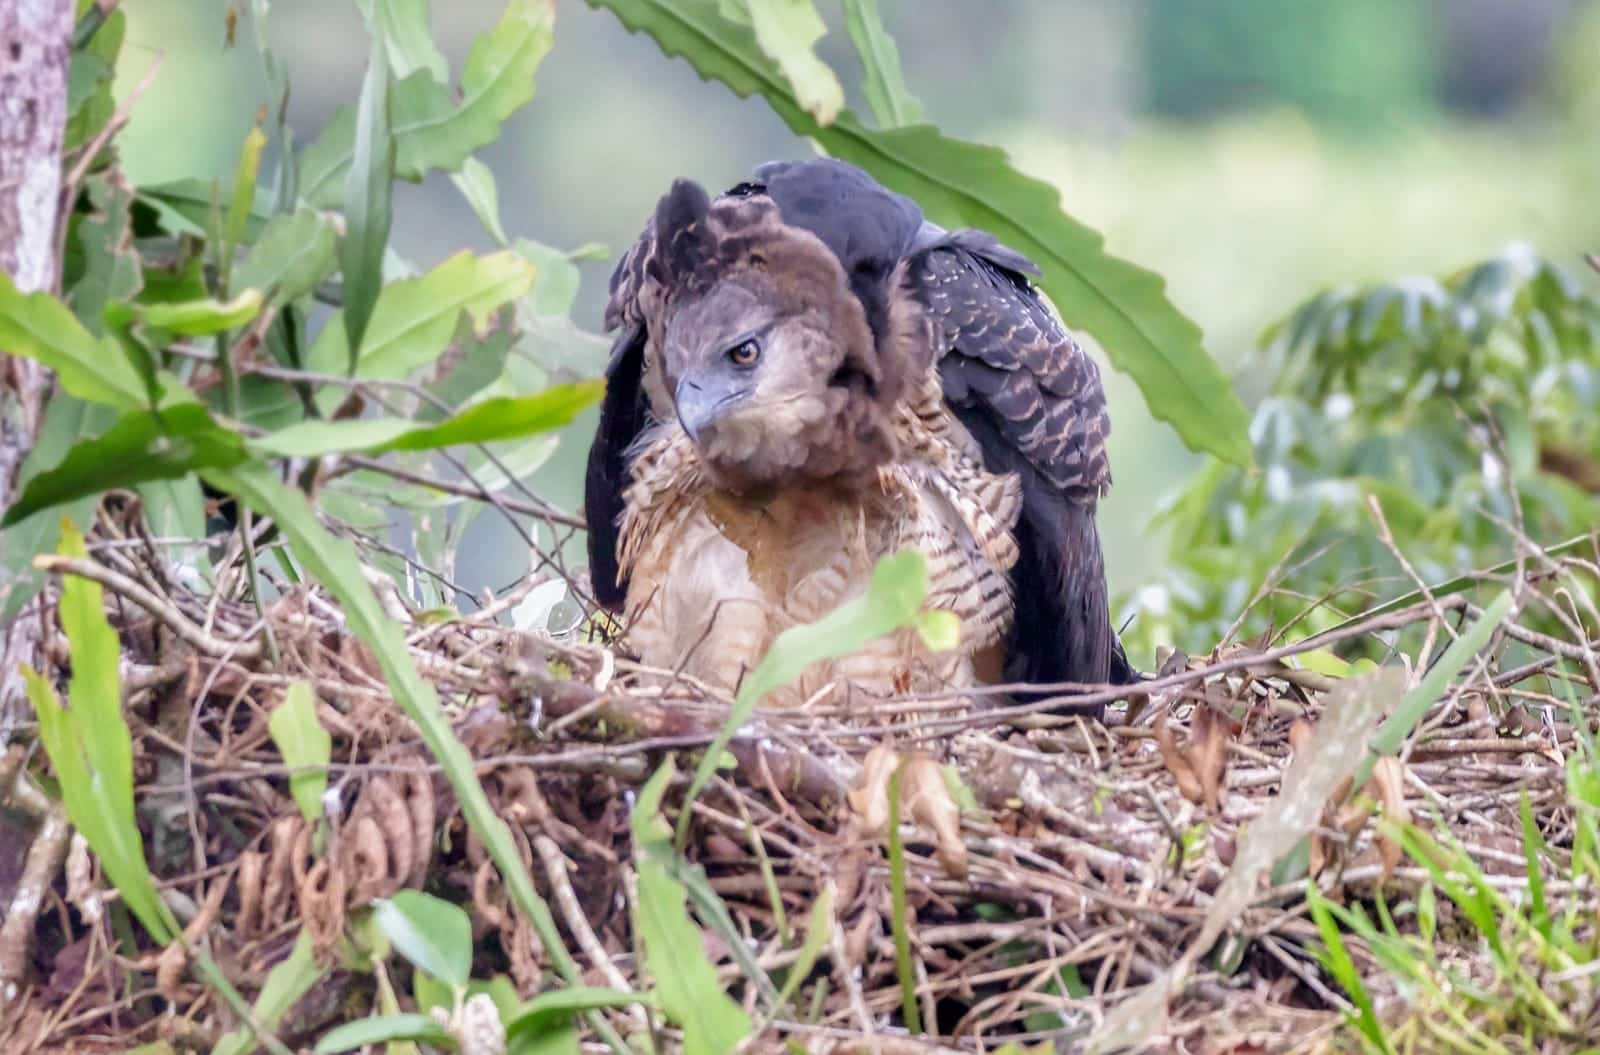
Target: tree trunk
<point>35,48</point>
<point>35,51</point>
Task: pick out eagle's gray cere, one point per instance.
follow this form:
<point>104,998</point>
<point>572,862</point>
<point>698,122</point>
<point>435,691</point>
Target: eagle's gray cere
<point>807,376</point>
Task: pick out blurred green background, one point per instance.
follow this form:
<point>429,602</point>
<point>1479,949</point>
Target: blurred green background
<point>1250,151</point>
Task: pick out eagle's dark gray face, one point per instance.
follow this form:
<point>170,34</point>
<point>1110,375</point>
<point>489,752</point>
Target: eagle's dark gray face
<point>766,357</point>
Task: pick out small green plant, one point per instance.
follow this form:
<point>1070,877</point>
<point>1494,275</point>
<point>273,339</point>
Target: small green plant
<point>1460,407</point>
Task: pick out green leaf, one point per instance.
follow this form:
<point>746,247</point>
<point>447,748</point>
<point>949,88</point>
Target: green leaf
<point>819,929</point>
<point>294,253</point>
<point>110,265</point>
<point>189,200</point>
<point>558,1006</point>
<point>893,601</point>
<point>1391,735</point>
<point>1124,307</point>
<point>243,201</point>
<point>407,31</point>
<point>1337,959</point>
<point>381,1028</point>
<point>141,446</point>
<point>557,288</point>
<point>39,327</point>
<point>431,129</point>
<point>285,985</point>
<point>415,318</point>
<point>788,30</point>
<point>305,746</point>
<point>476,184</point>
<point>368,184</point>
<point>333,562</point>
<point>432,933</point>
<point>503,418</point>
<point>67,419</point>
<point>91,748</point>
<point>686,982</point>
<point>194,318</point>
<point>481,363</point>
<point>90,78</point>
<point>892,104</point>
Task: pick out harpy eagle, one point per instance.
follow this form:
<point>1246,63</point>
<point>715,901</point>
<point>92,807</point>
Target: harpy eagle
<point>807,376</point>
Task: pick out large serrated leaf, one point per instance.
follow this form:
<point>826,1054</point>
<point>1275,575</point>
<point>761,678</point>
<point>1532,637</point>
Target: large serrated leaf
<point>788,31</point>
<point>432,130</point>
<point>1123,306</point>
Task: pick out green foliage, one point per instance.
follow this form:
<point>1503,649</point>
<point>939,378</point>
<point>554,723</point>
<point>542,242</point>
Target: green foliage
<point>1428,397</point>
<point>91,748</point>
<point>1124,307</point>
<point>305,747</point>
<point>891,101</point>
<point>368,207</point>
<point>380,1029</point>
<point>787,31</point>
<point>285,985</point>
<point>433,934</point>
<point>685,981</point>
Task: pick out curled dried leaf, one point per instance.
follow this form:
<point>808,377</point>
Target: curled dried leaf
<point>417,789</point>
<point>250,879</point>
<point>82,893</point>
<point>385,806</point>
<point>869,799</point>
<point>1177,762</point>
<point>364,860</point>
<point>1388,776</point>
<point>927,802</point>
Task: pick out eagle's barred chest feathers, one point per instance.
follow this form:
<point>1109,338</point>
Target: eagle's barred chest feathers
<point>808,377</point>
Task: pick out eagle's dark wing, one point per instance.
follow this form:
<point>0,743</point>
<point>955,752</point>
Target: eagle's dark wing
<point>1032,400</point>
<point>624,414</point>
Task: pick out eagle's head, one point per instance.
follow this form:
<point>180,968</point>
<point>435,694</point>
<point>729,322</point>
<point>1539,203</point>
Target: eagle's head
<point>766,355</point>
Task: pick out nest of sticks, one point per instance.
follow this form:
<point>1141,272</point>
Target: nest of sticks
<point>1084,865</point>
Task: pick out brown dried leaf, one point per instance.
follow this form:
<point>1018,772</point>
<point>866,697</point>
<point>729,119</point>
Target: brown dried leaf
<point>1388,776</point>
<point>1177,762</point>
<point>926,800</point>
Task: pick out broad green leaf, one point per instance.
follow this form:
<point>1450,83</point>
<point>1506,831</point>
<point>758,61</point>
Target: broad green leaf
<point>415,317</point>
<point>285,985</point>
<point>141,446</point>
<point>893,601</point>
<point>432,129</point>
<point>368,211</point>
<point>294,253</point>
<point>67,419</point>
<point>787,31</point>
<point>110,267</point>
<point>1124,307</point>
<point>432,933</point>
<point>333,562</point>
<point>493,419</point>
<point>39,327</point>
<point>305,746</point>
<point>685,981</point>
<point>197,318</point>
<point>91,748</point>
<point>380,1028</point>
<point>892,104</point>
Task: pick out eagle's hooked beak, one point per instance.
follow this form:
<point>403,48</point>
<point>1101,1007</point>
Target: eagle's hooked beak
<point>700,400</point>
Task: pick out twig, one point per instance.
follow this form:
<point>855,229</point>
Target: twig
<point>159,607</point>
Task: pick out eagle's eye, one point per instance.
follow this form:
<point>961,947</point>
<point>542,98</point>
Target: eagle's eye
<point>745,354</point>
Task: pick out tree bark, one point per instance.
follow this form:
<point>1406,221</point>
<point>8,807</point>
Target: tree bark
<point>35,49</point>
